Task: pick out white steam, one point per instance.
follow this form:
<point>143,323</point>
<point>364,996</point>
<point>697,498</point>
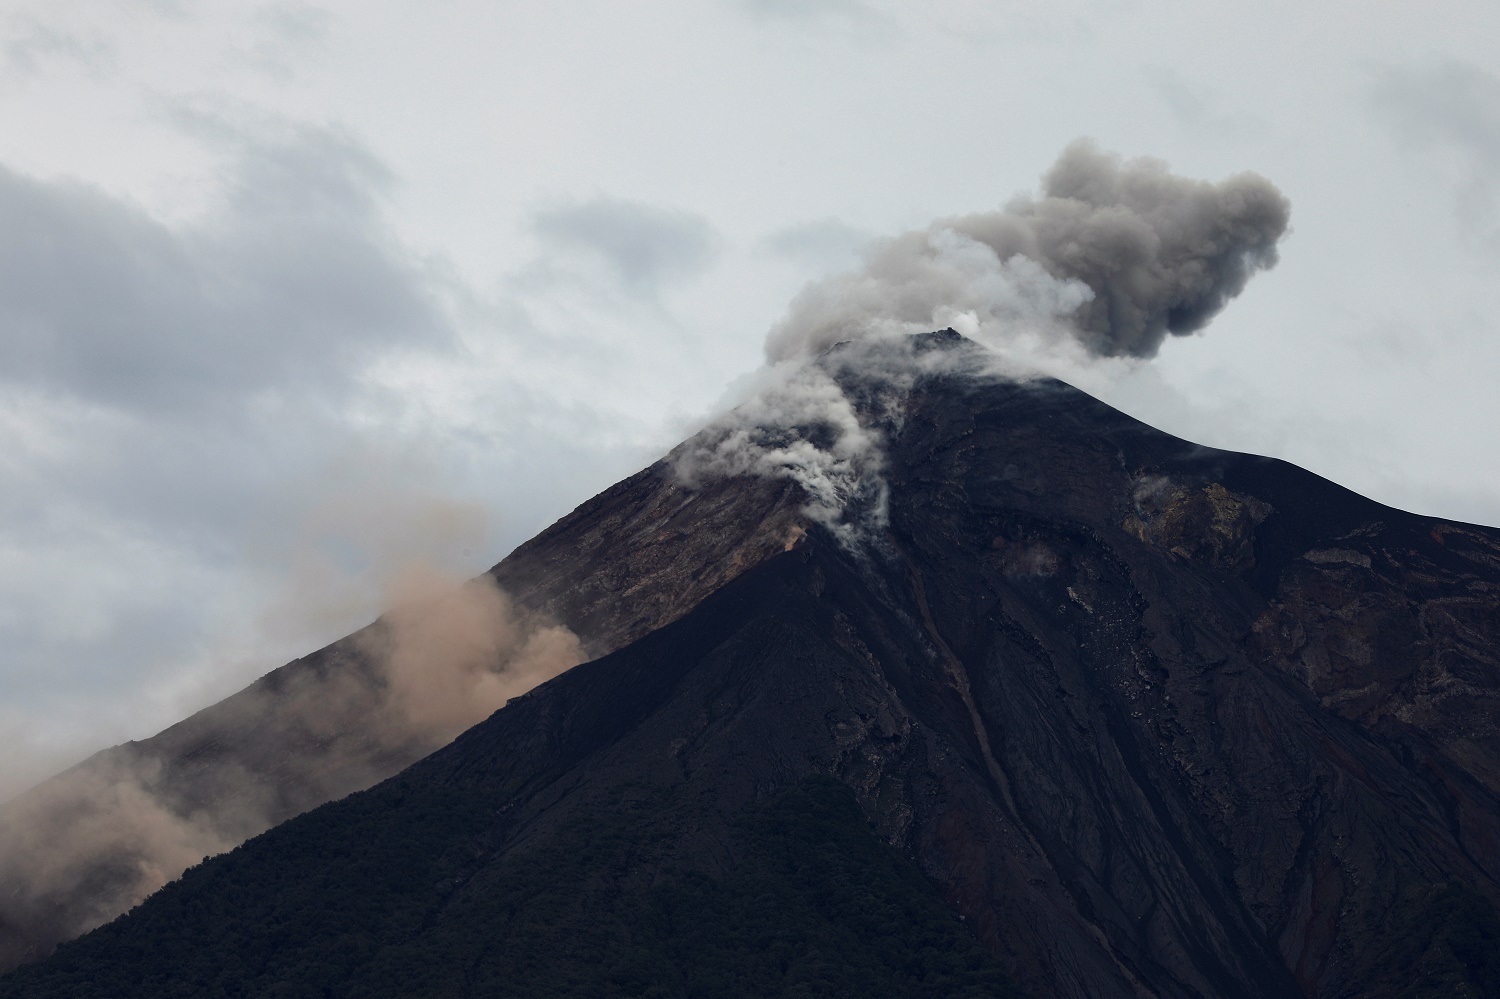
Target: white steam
<point>799,426</point>
<point>936,279</point>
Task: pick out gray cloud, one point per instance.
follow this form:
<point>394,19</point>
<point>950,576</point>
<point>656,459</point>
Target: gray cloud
<point>289,282</point>
<point>294,21</point>
<point>645,246</point>
<point>821,243</point>
<point>1450,102</point>
<point>29,44</point>
<point>182,404</point>
<point>1195,107</point>
<point>163,387</point>
<point>856,11</point>
<point>1118,253</point>
<point>286,33</point>
<point>1453,106</point>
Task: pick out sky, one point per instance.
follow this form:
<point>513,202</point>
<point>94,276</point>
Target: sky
<point>294,295</point>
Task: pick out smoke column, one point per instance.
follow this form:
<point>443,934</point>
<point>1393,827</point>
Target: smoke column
<point>1116,254</point>
<point>1113,257</point>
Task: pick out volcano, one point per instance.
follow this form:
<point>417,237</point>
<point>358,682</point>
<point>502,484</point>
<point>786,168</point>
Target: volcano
<point>1062,706</point>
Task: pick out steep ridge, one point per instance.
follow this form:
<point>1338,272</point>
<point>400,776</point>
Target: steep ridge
<point>646,551</point>
<point>1153,719</point>
<point>623,564</point>
<point>457,855</point>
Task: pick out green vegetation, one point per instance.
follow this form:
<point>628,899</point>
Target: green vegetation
<point>373,898</point>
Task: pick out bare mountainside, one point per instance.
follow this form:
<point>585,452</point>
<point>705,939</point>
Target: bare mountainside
<point>84,846</point>
<point>1153,719</point>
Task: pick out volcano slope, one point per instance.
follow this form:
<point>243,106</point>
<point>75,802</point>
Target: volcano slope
<point>86,845</point>
<point>1139,717</point>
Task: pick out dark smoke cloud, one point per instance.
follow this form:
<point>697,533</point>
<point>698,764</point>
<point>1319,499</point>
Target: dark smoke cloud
<point>1115,256</point>
<point>1117,253</point>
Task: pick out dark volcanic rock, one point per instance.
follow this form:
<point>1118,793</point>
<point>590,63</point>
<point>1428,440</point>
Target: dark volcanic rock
<point>623,564</point>
<point>1153,719</point>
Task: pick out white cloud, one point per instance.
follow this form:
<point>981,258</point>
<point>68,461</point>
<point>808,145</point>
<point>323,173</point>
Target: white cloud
<point>29,44</point>
<point>1451,107</point>
<point>820,245</point>
<point>644,246</point>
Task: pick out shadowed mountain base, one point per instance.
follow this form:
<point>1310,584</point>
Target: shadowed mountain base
<point>1149,719</point>
<point>526,860</point>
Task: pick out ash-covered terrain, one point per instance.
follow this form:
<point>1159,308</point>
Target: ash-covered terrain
<point>1053,702</point>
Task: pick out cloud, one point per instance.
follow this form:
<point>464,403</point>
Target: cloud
<point>148,502</point>
<point>846,13</point>
<point>1452,107</point>
<point>814,8</point>
<point>822,244</point>
<point>276,388</point>
<point>929,280</point>
<point>287,32</point>
<point>1449,102</point>
<point>288,283</point>
<point>1120,254</point>
<point>1195,107</point>
<point>30,44</point>
<point>644,246</point>
<point>164,387</point>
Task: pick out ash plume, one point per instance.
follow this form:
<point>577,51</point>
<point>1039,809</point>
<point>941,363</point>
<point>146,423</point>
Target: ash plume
<point>1113,257</point>
<point>1116,254</point>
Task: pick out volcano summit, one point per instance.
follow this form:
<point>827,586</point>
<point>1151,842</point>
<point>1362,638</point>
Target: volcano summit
<point>918,674</point>
<point>1007,693</point>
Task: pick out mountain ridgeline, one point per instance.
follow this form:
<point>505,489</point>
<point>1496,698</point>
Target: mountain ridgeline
<point>1086,711</point>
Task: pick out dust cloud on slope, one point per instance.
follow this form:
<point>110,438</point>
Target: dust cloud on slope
<point>85,846</point>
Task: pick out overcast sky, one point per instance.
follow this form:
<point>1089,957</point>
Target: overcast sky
<point>294,293</point>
